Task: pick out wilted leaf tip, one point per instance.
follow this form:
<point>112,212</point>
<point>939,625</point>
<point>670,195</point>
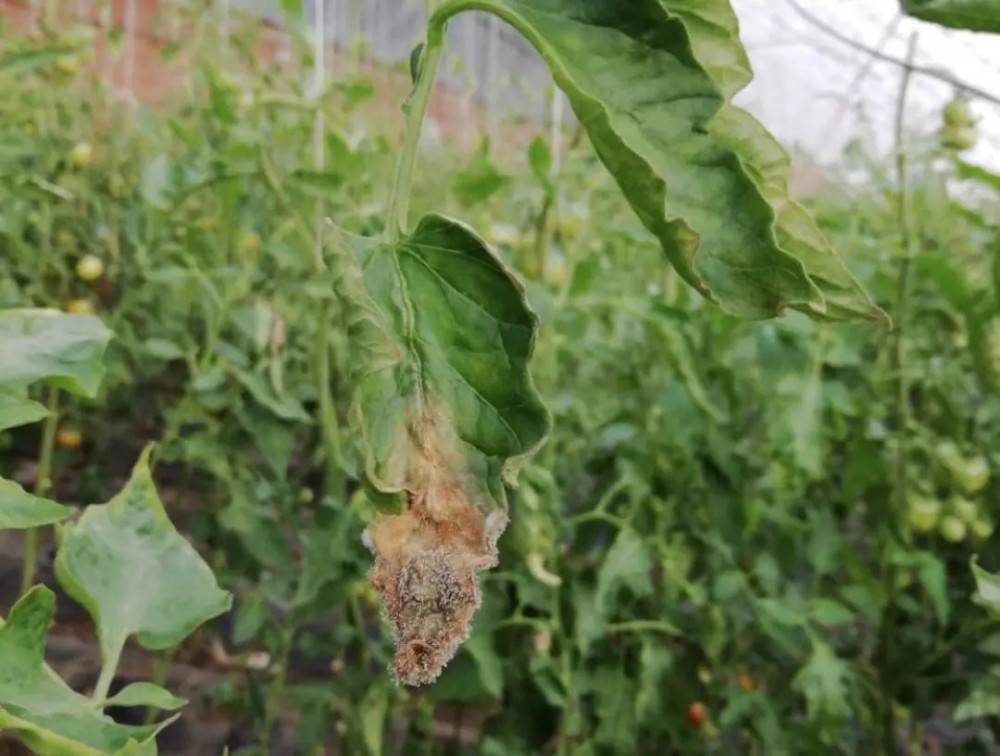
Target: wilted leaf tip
<point>427,559</point>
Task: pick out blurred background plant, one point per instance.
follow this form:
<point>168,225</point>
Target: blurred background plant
<point>742,537</point>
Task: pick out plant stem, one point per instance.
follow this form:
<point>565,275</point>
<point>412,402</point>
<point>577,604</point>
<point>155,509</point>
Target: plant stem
<point>161,666</point>
<point>887,678</point>
<point>277,687</point>
<point>333,481</point>
<point>43,483</point>
<point>415,108</point>
<point>108,669</point>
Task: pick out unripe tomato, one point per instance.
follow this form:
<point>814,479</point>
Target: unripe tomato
<point>959,139</point>
<point>952,529</point>
<point>696,714</point>
<point>965,510</point>
<point>80,307</point>
<point>569,224</point>
<point>69,438</point>
<point>228,82</point>
<point>974,475</point>
<point>555,273</point>
<point>923,514</point>
<point>89,268</point>
<point>957,113</point>
<point>82,154</point>
<point>249,243</point>
<point>67,64</point>
<point>982,527</point>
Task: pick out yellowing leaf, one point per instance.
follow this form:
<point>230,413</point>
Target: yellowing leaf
<point>445,409</point>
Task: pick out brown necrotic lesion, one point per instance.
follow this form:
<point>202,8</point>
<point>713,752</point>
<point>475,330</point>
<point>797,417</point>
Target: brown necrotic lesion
<point>427,558</point>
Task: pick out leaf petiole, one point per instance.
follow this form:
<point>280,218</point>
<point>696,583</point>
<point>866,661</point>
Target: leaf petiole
<point>415,108</point>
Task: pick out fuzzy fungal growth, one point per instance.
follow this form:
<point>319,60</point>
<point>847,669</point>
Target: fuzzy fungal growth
<point>427,560</point>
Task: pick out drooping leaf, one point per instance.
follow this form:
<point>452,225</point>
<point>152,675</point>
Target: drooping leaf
<point>973,172</point>
<point>933,577</point>
<point>373,709</point>
<point>146,694</point>
<point>20,509</point>
<point>976,15</point>
<point>284,407</point>
<point>445,409</point>
<point>987,588</point>
<point>649,80</point>
<point>44,712</point>
<point>134,573</point>
<point>16,409</point>
<point>64,349</point>
<point>714,33</point>
<point>714,30</point>
<point>768,164</point>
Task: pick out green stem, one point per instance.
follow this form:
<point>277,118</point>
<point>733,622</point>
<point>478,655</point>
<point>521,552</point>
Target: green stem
<point>161,666</point>
<point>333,481</point>
<point>642,626</point>
<point>109,667</point>
<point>415,108</point>
<point>43,484</point>
<point>887,631</point>
<point>277,688</point>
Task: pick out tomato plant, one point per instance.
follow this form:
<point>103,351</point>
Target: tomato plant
<point>696,506</point>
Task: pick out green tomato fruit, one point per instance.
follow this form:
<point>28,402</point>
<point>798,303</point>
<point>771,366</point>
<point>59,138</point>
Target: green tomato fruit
<point>958,139</point>
<point>89,268</point>
<point>973,475</point>
<point>957,113</point>
<point>923,514</point>
<point>982,528</point>
<point>82,154</point>
<point>965,510</point>
<point>952,529</point>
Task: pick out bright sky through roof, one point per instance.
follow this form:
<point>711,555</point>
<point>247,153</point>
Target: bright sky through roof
<point>817,93</point>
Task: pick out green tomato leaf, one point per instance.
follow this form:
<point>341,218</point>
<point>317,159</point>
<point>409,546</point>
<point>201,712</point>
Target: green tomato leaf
<point>987,588</point>
<point>146,694</point>
<point>284,407</point>
<point>976,15</point>
<point>983,699</point>
<point>16,409</point>
<point>627,565</point>
<point>64,349</point>
<point>373,710</point>
<point>44,712</point>
<point>823,681</point>
<point>20,509</point>
<point>446,411</point>
<point>767,162</point>
<point>134,573</point>
<point>649,81</point>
